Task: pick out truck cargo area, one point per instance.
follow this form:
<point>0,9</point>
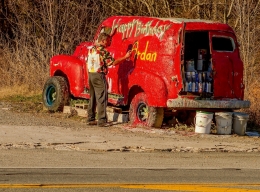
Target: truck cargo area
<point>197,68</point>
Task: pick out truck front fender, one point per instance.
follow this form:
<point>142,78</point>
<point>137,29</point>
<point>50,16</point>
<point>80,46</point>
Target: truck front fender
<point>72,68</point>
<point>153,86</point>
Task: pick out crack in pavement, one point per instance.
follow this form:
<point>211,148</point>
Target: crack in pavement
<point>78,147</point>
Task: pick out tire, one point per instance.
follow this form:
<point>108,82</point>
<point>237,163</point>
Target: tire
<point>55,93</point>
<point>142,114</point>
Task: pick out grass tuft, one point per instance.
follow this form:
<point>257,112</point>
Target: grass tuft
<point>19,93</point>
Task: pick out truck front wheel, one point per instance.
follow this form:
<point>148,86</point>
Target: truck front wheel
<point>142,114</point>
<point>55,93</point>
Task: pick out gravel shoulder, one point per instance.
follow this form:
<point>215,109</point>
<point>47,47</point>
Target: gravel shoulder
<point>20,129</point>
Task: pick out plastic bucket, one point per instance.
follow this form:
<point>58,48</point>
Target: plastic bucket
<point>203,122</point>
<point>240,122</point>
<point>223,122</point>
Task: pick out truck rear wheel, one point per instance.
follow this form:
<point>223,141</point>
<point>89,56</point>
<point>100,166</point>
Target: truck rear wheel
<point>55,93</point>
<point>142,114</point>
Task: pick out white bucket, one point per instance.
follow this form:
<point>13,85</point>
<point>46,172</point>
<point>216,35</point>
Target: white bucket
<point>203,122</point>
<point>240,122</point>
<point>223,122</point>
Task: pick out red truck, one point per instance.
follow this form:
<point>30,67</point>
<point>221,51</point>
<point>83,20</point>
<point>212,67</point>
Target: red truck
<point>177,65</point>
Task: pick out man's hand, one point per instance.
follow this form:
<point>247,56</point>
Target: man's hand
<point>128,54</point>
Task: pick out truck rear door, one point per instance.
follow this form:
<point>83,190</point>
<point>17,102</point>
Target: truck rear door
<point>227,66</point>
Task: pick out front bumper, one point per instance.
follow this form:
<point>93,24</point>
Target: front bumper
<point>219,104</point>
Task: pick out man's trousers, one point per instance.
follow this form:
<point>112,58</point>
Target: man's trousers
<point>98,97</point>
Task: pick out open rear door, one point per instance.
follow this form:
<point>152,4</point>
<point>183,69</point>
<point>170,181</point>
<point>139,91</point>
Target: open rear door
<point>179,31</point>
<point>227,66</point>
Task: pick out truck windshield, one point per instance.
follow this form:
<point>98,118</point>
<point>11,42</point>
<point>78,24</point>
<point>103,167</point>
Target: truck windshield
<point>223,44</point>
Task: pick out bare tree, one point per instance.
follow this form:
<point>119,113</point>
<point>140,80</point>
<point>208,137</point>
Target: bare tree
<point>34,30</point>
<point>248,30</point>
<point>41,29</point>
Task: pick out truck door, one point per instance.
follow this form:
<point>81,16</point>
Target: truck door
<point>227,66</point>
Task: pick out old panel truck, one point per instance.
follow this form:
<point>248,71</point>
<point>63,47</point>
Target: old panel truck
<point>177,66</point>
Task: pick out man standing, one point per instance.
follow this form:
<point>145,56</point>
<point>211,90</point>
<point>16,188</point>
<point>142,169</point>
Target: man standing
<point>98,61</point>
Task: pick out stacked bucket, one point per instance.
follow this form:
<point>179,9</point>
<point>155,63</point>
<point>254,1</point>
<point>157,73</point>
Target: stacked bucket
<point>225,121</point>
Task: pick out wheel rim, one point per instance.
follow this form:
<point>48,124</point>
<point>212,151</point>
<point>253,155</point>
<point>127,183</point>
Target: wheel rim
<point>51,95</point>
<point>142,112</point>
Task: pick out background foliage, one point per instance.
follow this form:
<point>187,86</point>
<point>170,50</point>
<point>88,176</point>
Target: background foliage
<point>31,31</point>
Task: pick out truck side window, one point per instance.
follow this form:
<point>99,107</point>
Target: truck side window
<point>223,44</point>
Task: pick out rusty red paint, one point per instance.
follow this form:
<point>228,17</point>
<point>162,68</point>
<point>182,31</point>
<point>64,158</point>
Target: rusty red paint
<point>157,64</point>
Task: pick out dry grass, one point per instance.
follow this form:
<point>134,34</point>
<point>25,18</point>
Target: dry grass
<point>253,96</point>
<point>17,90</point>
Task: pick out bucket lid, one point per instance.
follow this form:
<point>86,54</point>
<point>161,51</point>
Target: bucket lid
<point>206,112</point>
<point>240,114</point>
<point>224,114</point>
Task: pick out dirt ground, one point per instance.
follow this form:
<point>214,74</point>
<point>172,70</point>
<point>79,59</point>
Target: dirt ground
<point>32,128</point>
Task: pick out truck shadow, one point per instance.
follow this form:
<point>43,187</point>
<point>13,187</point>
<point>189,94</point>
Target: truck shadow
<point>125,69</point>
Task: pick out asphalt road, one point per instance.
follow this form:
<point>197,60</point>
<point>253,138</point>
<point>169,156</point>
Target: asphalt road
<point>49,170</point>
<point>132,179</point>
